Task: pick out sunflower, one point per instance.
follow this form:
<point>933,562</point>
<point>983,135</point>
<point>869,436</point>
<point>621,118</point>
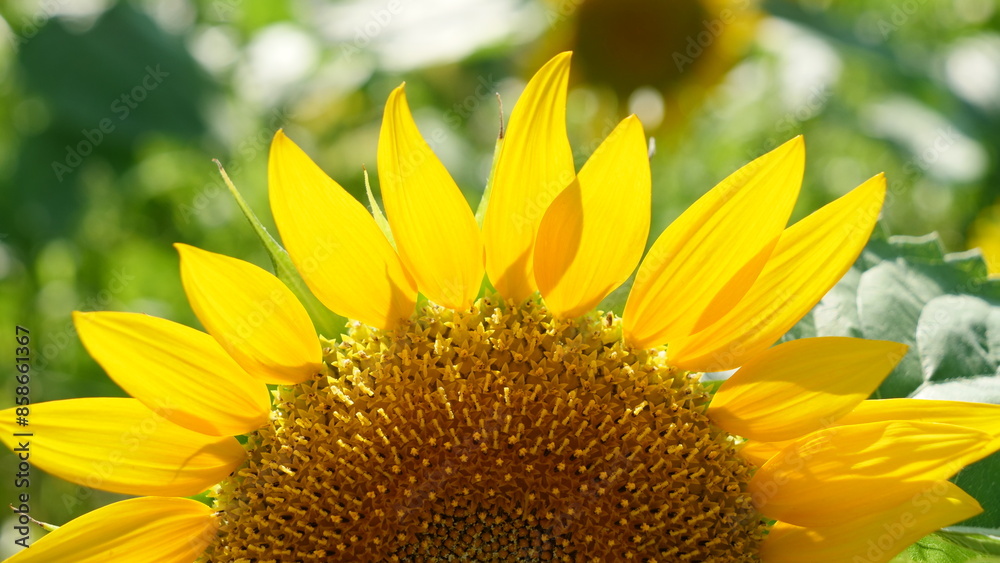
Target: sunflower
<point>687,49</point>
<point>514,423</point>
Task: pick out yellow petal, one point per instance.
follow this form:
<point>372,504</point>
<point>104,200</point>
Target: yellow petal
<point>873,538</point>
<point>534,165</point>
<point>593,234</point>
<point>252,315</point>
<point>708,258</point>
<point>436,233</point>
<point>801,386</point>
<point>839,474</point>
<point>334,243</point>
<point>138,530</point>
<point>177,371</point>
<point>759,453</point>
<point>121,446</point>
<point>811,256</point>
<point>980,416</point>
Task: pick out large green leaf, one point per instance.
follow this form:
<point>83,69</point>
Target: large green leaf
<point>937,548</point>
<point>980,481</point>
<point>944,306</point>
<point>899,276</point>
<point>958,336</point>
<point>977,543</point>
<point>889,300</point>
<point>837,313</point>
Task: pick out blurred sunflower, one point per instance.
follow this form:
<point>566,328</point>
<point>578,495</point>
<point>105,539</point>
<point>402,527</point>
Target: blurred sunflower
<point>680,50</point>
<point>522,425</point>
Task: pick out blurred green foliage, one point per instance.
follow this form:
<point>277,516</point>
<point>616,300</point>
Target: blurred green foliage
<point>114,110</point>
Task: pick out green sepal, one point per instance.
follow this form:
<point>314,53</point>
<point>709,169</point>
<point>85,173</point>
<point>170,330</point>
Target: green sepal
<point>712,385</point>
<point>486,287</point>
<point>326,321</point>
<point>44,525</point>
<point>484,202</point>
<point>380,219</point>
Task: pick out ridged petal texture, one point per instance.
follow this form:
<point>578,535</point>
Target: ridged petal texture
<point>843,473</point>
<point>435,231</point>
<point>533,167</point>
<point>334,242</point>
<point>255,318</point>
<point>179,372</point>
<point>978,416</point>
<point>710,256</point>
<point>803,385</point>
<point>872,538</point>
<point>591,237</point>
<point>139,530</point>
<point>121,446</point>
<point>811,256</point>
<point>759,453</point>
<point>981,416</point>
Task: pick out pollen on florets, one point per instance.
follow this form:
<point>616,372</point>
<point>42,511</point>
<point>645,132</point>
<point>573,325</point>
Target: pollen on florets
<point>497,433</point>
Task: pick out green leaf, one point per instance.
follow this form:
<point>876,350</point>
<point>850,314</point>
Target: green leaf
<point>925,249</point>
<point>979,543</point>
<point>978,389</point>
<point>891,296</point>
<point>980,481</point>
<point>936,549</point>
<point>837,313</point>
<point>971,262</point>
<point>958,336</point>
<point>885,293</point>
<point>805,328</point>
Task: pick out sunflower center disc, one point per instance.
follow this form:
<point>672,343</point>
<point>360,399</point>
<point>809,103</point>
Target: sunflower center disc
<point>496,433</point>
